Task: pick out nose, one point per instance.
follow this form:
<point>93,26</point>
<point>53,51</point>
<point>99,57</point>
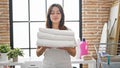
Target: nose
<point>55,15</point>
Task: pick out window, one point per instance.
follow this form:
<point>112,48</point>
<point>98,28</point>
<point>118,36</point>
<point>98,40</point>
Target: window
<point>29,15</point>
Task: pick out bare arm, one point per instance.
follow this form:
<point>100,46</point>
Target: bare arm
<point>40,50</point>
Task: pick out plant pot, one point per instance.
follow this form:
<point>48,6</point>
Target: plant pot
<point>15,59</point>
<point>3,57</point>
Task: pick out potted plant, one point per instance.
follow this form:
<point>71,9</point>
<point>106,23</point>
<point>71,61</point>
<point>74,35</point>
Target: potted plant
<point>4,49</point>
<point>14,53</point>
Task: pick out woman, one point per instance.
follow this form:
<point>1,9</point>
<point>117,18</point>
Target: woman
<point>56,57</point>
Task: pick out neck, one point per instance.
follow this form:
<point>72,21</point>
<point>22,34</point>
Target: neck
<point>55,26</point>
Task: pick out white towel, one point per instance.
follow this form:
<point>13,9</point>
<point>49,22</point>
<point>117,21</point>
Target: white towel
<point>56,31</point>
<point>48,36</point>
<point>57,43</point>
<point>55,38</point>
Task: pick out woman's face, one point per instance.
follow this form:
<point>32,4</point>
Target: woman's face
<point>55,15</point>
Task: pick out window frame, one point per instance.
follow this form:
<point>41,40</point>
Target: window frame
<point>11,23</point>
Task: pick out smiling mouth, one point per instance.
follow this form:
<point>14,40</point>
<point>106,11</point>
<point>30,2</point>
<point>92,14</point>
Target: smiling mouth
<point>55,18</point>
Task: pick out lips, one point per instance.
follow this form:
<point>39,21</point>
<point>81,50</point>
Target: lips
<point>55,18</point>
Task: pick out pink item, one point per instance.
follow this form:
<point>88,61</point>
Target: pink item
<point>83,48</point>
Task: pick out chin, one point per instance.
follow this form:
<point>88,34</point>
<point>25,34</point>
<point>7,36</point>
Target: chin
<point>56,21</point>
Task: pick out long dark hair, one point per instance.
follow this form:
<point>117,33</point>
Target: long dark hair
<point>49,22</point>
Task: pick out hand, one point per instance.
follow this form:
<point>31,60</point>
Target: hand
<point>64,48</point>
<point>42,47</point>
<point>47,47</point>
<point>40,50</point>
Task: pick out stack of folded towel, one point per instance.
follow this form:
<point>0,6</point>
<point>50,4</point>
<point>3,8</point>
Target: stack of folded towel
<point>55,38</point>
